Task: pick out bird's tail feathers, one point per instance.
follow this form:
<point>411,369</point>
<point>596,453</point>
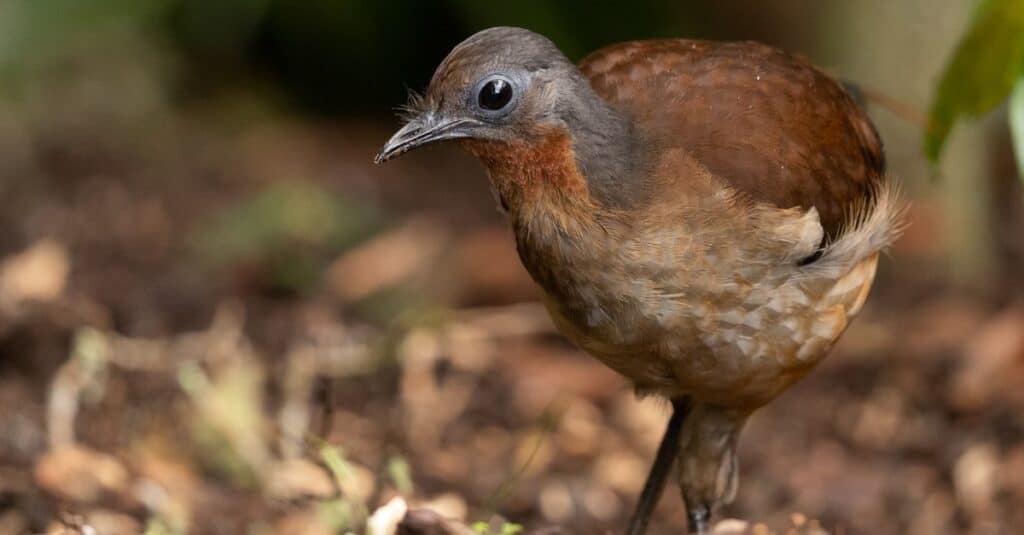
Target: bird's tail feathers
<point>872,228</point>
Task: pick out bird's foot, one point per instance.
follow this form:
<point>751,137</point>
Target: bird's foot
<point>699,518</point>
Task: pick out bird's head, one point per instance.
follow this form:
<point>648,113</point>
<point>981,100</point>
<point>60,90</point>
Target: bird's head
<point>505,85</point>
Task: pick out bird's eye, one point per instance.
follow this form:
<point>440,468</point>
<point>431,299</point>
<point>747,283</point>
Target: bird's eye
<point>495,95</point>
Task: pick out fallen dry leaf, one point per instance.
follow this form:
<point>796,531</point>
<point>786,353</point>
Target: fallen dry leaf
<point>387,259</point>
<point>385,520</point>
<point>447,505</point>
<point>78,473</point>
<point>622,471</point>
<point>555,501</point>
<point>38,273</point>
<point>974,476</point>
<point>993,362</point>
<point>305,521</point>
<point>731,526</point>
<point>107,522</point>
<point>295,479</point>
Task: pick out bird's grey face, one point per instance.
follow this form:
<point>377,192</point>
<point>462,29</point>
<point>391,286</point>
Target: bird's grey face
<point>499,85</point>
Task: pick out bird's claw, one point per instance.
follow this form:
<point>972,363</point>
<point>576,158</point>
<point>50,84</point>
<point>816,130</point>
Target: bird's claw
<point>699,517</point>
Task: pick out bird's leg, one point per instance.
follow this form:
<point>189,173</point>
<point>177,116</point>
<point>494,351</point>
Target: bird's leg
<point>708,472</point>
<point>667,452</point>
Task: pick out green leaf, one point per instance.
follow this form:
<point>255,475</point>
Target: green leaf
<point>401,474</point>
<point>337,514</point>
<point>1016,112</point>
<point>982,71</point>
<point>334,458</point>
<point>511,529</point>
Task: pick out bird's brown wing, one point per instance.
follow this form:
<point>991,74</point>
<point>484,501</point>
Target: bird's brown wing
<point>765,122</point>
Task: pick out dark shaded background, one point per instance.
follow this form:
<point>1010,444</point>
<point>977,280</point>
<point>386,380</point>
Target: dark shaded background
<point>317,51</point>
<point>217,316</point>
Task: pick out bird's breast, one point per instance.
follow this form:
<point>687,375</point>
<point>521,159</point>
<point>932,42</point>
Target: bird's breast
<point>529,172</point>
<point>702,297</point>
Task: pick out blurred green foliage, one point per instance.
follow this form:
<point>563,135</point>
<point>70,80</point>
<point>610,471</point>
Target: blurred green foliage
<point>288,229</point>
<point>1017,122</point>
<point>987,64</point>
<point>156,526</point>
<point>227,421</point>
<point>34,33</point>
<point>344,512</point>
<point>400,473</point>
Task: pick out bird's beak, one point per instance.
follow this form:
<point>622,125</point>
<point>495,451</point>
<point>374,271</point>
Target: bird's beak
<point>421,130</point>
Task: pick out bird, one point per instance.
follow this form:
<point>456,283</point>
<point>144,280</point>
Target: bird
<point>703,217</point>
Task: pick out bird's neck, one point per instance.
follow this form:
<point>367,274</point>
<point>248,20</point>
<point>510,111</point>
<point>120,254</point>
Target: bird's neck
<point>558,213</point>
<point>606,150</point>
<point>588,156</point>
<point>525,173</point>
